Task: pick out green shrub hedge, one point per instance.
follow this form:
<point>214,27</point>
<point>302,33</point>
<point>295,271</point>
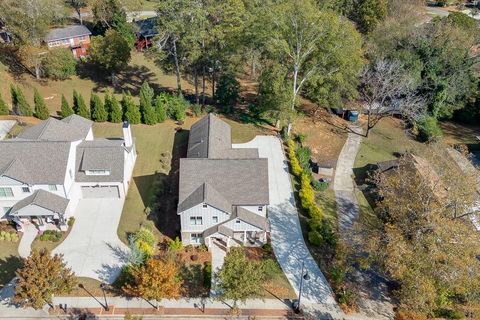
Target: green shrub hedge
<point>294,163</point>
<point>11,236</point>
<point>51,235</point>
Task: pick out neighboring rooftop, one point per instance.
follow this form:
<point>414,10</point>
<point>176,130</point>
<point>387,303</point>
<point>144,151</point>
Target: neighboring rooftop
<point>34,162</point>
<point>42,199</point>
<point>211,138</point>
<point>100,154</point>
<point>67,33</point>
<point>71,128</point>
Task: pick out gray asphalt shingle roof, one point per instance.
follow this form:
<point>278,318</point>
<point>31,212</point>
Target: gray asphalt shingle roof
<point>67,32</point>
<point>71,128</point>
<point>34,162</point>
<point>100,154</point>
<point>42,199</point>
<point>206,194</point>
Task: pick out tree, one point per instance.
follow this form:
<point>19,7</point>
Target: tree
<point>386,90</point>
<point>121,25</point>
<point>113,107</point>
<point>370,14</point>
<point>422,239</point>
<point>3,107</point>
<point>156,279</point>
<point>66,110</point>
<point>228,91</point>
<point>99,114</point>
<point>40,277</point>
<point>110,51</point>
<point>146,97</point>
<point>41,109</point>
<point>79,105</point>
<point>160,108</point>
<point>19,102</point>
<point>239,279</point>
<point>59,64</point>
<point>78,5</point>
<point>131,113</point>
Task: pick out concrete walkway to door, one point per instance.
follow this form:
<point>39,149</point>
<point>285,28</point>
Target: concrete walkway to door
<point>218,257</point>
<point>30,232</point>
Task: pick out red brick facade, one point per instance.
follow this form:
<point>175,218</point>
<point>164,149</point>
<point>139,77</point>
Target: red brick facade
<point>78,45</point>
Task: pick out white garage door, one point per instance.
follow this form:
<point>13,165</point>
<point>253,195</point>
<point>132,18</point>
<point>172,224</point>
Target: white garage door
<point>100,192</point>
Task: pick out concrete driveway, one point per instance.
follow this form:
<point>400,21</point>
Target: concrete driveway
<point>287,239</point>
<point>92,249</point>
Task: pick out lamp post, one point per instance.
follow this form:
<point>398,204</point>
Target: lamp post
<point>304,276</point>
<point>103,286</point>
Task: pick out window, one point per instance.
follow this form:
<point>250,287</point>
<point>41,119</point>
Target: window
<point>195,238</point>
<point>66,41</point>
<point>196,221</point>
<point>25,189</point>
<point>238,221</point>
<point>205,205</point>
<point>97,172</point>
<point>260,208</point>
<point>52,187</point>
<point>6,192</point>
<point>215,219</point>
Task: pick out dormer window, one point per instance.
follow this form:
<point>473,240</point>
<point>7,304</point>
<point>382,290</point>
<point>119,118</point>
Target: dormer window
<point>260,208</point>
<point>205,205</point>
<point>26,189</point>
<point>97,172</point>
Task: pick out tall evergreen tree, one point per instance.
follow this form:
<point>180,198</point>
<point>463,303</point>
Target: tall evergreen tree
<point>79,105</point>
<point>3,107</point>
<point>160,108</point>
<point>41,109</point>
<point>66,110</point>
<point>146,97</point>
<point>131,113</point>
<point>114,109</point>
<point>99,114</point>
<point>19,102</point>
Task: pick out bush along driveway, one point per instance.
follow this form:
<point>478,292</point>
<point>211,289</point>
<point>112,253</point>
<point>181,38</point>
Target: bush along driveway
<point>286,233</point>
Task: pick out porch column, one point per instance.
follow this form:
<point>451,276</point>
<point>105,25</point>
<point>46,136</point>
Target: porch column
<point>244,236</point>
<point>228,242</point>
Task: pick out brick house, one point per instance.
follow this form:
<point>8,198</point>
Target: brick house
<point>75,37</point>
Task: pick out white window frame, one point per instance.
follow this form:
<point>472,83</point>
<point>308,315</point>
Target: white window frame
<point>260,208</point>
<point>215,219</point>
<point>196,238</point>
<point>6,192</point>
<point>102,172</point>
<point>196,221</point>
<point>26,189</point>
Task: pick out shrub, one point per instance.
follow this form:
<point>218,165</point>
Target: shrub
<point>306,193</point>
<point>295,165</point>
<point>449,314</point>
<point>146,108</point>
<point>19,102</point>
<point>124,277</point>
<point>41,109</point>
<point>3,107</point>
<point>321,232</point>
<point>304,154</point>
<point>228,89</point>
<point>429,130</point>
<point>71,221</point>
<point>99,114</point>
<point>66,110</point>
<point>301,138</point>
<point>59,64</point>
<point>346,297</point>
<point>267,249</point>
<point>131,112</point>
<point>175,245</point>
<point>51,235</point>
<point>320,185</point>
<point>177,108</point>
<point>284,133</point>
<point>315,238</point>
<point>161,103</point>
<point>207,275</point>
<point>145,247</point>
<point>270,268</point>
<point>202,248</point>
<point>197,109</point>
<point>112,106</point>
<point>145,235</point>
<point>79,106</point>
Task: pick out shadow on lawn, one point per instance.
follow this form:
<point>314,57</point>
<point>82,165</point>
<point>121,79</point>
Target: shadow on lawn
<point>8,266</point>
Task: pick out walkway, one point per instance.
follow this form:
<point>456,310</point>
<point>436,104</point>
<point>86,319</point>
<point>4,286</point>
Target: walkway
<point>92,249</point>
<point>5,126</point>
<point>287,239</point>
<point>218,257</point>
<point>373,300</point>
<point>30,232</point>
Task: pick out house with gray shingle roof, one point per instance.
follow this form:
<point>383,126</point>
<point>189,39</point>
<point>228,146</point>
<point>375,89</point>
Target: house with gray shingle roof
<point>223,192</point>
<point>49,167</point>
<point>73,37</point>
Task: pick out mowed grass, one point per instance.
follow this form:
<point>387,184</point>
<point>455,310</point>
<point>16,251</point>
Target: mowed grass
<point>10,261</point>
<point>456,133</point>
<point>155,146</point>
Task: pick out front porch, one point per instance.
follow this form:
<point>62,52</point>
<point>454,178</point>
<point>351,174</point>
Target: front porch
<point>237,239</point>
<point>42,223</point>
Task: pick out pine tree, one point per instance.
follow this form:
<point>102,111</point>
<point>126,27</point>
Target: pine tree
<point>160,109</point>
<point>41,109</point>
<point>99,114</point>
<point>19,102</point>
<point>66,110</point>
<point>131,113</point>
<point>79,105</point>
<point>115,113</point>
<point>3,107</point>
<point>146,108</point>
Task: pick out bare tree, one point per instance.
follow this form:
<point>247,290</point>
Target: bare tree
<point>386,91</point>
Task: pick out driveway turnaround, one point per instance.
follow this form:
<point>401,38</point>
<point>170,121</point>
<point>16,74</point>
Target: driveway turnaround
<point>92,249</point>
<point>287,239</point>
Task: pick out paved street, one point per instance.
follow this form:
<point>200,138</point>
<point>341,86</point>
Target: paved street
<point>287,240</point>
<point>92,249</point>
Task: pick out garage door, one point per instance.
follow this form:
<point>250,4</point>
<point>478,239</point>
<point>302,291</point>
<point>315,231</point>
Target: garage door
<point>100,192</point>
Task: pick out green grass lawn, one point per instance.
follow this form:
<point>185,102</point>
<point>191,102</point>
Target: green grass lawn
<point>328,204</point>
<point>9,261</point>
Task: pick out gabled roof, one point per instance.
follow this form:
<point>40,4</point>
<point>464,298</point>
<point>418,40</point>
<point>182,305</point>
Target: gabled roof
<point>252,218</point>
<point>240,181</point>
<point>67,32</point>
<point>34,162</point>
<point>71,128</point>
<point>100,154</point>
<point>211,138</point>
<point>205,194</point>
<point>43,199</point>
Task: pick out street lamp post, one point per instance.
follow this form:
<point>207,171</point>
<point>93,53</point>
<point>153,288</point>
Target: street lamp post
<point>103,286</point>
<point>304,276</point>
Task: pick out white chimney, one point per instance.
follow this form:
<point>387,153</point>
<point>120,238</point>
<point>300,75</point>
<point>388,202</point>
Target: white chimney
<point>127,134</point>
